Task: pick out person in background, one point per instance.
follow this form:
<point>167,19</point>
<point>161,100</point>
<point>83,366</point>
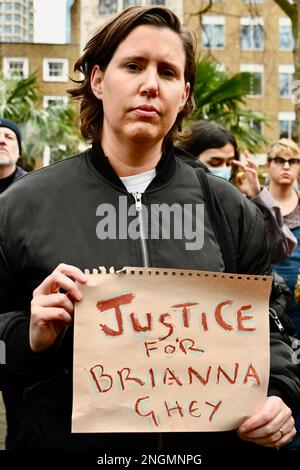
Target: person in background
<point>283,164</point>
<point>216,147</point>
<point>10,152</point>
<point>138,74</point>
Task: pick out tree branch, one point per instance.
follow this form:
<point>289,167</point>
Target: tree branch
<point>288,8</point>
<point>204,10</point>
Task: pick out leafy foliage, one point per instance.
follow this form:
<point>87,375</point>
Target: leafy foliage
<point>55,126</point>
<point>222,98</point>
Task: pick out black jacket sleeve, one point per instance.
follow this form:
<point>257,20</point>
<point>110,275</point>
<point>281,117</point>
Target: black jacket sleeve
<point>21,364</point>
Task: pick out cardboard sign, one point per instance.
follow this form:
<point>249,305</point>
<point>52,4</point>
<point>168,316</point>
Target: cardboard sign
<point>169,350</point>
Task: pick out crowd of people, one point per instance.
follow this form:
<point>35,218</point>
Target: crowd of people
<point>138,74</point>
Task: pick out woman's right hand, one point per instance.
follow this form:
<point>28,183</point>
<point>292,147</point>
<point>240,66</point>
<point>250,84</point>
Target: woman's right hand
<point>248,183</point>
<point>52,310</point>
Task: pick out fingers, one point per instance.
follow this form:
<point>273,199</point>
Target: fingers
<point>52,310</point>
<point>51,300</point>
<point>251,163</point>
<point>47,315</point>
<point>60,278</point>
<point>45,326</point>
<point>272,426</point>
<point>247,169</point>
<point>239,164</point>
<point>268,412</point>
<point>271,437</point>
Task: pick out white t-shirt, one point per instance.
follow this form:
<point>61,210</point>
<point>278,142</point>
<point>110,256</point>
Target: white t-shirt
<point>138,183</point>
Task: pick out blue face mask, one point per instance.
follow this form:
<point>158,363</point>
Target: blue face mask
<point>223,172</point>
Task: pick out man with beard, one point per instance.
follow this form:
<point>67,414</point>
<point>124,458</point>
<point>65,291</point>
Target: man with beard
<point>10,151</point>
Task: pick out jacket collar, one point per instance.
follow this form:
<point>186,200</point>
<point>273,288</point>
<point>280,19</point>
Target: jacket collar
<point>165,169</point>
<point>192,160</point>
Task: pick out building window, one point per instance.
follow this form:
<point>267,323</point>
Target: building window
<point>287,127</point>
<point>257,125</point>
<point>252,33</point>
<point>130,3</point>
<point>213,31</point>
<point>286,78</point>
<point>52,100</point>
<point>15,67</point>
<point>107,6</point>
<point>256,83</point>
<point>286,38</point>
<point>55,70</point>
<point>156,2</point>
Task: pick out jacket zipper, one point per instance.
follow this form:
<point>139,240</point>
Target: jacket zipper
<point>275,317</point>
<point>145,256</point>
<point>139,208</point>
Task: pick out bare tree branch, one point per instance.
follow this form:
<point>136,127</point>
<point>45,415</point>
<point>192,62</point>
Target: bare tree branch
<point>204,10</point>
<point>288,8</point>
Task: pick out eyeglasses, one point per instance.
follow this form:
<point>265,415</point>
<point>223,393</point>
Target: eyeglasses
<point>279,161</point>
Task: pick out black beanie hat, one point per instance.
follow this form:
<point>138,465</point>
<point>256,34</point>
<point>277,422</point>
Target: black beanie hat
<point>11,125</point>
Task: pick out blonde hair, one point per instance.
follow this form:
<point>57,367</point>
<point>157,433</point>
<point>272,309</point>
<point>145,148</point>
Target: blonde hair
<point>283,144</point>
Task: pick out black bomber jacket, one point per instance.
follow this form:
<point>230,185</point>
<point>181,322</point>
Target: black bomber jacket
<point>56,215</point>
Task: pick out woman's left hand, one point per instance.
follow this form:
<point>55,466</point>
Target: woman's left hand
<point>272,426</point>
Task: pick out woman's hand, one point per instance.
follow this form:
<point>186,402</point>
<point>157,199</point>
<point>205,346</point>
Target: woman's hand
<point>52,310</point>
<point>272,426</point>
<point>249,183</point>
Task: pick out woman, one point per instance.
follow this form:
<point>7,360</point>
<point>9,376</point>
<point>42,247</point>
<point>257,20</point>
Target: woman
<point>283,166</point>
<point>216,147</point>
<point>138,74</point>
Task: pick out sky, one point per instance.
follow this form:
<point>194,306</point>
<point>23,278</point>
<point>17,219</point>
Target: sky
<point>50,21</point>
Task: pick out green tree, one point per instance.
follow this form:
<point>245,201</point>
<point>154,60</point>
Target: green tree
<point>222,98</point>
<point>55,126</point>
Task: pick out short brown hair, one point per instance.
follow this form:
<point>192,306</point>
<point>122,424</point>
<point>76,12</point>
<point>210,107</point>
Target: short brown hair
<point>100,50</point>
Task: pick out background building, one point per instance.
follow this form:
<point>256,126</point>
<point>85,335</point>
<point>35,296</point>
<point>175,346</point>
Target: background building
<point>94,12</point>
<point>53,63</point>
<point>242,35</point>
<point>254,36</point>
<point>16,21</point>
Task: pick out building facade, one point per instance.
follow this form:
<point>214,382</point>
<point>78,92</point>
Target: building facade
<point>94,12</point>
<point>242,35</point>
<point>53,63</point>
<point>16,21</point>
<point>253,36</point>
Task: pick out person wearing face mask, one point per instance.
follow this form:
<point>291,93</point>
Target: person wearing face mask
<point>214,146</point>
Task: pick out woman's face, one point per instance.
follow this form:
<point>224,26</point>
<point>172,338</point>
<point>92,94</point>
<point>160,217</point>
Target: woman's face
<point>143,87</point>
<point>284,171</point>
<point>218,157</point>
